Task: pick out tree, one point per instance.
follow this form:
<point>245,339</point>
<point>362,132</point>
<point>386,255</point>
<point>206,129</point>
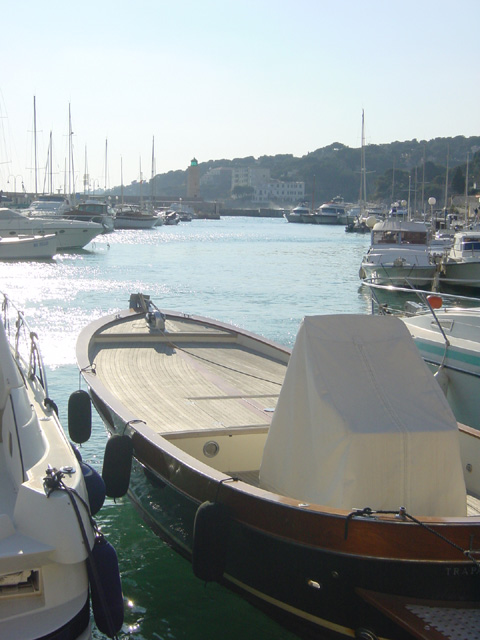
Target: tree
<point>458,181</point>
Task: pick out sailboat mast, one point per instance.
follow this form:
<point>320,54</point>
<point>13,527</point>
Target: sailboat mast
<point>153,171</point>
<point>363,173</point>
<point>466,190</point>
<point>106,164</point>
<point>446,182</point>
<point>51,165</point>
<point>71,171</point>
<point>121,178</point>
<point>35,140</point>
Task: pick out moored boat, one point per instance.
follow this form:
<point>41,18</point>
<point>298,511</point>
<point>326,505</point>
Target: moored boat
<point>51,554</point>
<point>71,234</point>
<point>40,247</point>
<point>446,330</point>
<point>301,213</point>
<point>100,212</point>
<point>399,254</point>
<point>333,212</point>
<point>346,524</point>
<point>461,266</point>
<point>132,217</point>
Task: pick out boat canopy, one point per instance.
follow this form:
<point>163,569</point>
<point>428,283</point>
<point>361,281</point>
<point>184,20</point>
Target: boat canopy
<point>395,232</point>
<point>361,422</point>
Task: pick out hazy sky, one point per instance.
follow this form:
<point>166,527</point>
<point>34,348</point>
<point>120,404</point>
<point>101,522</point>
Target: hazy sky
<point>217,79</point>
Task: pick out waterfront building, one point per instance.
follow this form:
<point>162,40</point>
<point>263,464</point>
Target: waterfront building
<point>276,190</point>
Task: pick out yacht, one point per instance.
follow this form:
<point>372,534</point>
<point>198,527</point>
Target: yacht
<point>399,254</point>
<point>461,267</point>
<point>301,213</point>
<point>70,234</point>
<point>93,211</point>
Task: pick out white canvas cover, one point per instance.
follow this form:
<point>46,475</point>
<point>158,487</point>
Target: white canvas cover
<point>361,422</point>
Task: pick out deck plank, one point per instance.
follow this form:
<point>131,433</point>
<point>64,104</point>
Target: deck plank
<point>195,386</point>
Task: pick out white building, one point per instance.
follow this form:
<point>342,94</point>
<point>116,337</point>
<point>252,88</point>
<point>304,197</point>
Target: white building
<point>249,176</point>
<point>275,190</point>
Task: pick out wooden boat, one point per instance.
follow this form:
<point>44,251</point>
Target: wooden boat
<point>39,247</point>
<point>130,216</point>
<point>48,541</point>
<point>319,491</point>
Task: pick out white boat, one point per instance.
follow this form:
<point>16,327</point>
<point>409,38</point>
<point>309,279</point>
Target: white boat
<point>301,214</point>
<point>93,211</point>
<point>185,212</point>
<point>446,330</point>
<point>71,234</point>
<point>129,216</point>
<point>312,482</point>
<point>461,267</point>
<point>399,254</point>
<point>330,213</point>
<point>48,540</point>
<point>46,206</point>
<point>28,247</point>
<point>449,341</point>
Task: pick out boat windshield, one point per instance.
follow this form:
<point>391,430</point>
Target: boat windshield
<point>400,237</point>
<point>471,244</point>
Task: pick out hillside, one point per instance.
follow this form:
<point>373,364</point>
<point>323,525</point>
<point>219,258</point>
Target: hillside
<point>392,171</point>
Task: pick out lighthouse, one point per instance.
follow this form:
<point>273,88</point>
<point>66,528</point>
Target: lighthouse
<point>193,181</point>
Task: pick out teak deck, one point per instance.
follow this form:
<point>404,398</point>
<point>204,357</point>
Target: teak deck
<point>192,379</point>
<point>189,378</point>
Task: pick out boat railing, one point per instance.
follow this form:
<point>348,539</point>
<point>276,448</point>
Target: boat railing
<point>24,341</point>
<point>427,301</point>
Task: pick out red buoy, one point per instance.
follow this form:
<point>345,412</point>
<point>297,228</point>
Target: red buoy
<point>435,301</point>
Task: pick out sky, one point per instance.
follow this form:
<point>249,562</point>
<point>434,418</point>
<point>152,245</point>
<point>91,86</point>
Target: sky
<point>224,79</point>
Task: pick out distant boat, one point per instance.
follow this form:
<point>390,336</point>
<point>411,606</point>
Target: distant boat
<point>300,214</point>
<point>48,205</point>
<point>399,254</point>
<point>28,247</point>
<point>313,483</point>
<point>461,266</point>
<point>333,212</point>
<point>130,216</point>
<point>100,212</point>
<point>71,234</point>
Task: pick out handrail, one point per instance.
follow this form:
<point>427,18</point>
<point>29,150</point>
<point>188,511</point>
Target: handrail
<point>421,294</point>
<point>22,338</point>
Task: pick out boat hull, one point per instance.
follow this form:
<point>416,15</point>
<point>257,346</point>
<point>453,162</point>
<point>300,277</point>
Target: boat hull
<point>462,274</point>
<point>135,223</point>
<point>296,579</point>
<point>307,565</point>
<point>388,274</point>
<point>28,248</point>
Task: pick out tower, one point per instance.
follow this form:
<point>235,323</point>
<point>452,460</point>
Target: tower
<point>193,181</point>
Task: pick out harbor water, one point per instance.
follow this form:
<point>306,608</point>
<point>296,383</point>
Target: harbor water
<point>261,274</point>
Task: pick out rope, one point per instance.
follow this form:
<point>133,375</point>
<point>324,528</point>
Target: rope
<point>53,482</point>
<point>402,513</point>
<point>222,366</point>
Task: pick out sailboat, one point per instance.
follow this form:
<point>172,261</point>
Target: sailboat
<point>357,216</point>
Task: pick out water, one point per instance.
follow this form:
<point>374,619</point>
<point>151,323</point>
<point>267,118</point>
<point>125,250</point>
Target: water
<point>261,274</point>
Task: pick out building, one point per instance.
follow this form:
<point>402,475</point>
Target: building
<point>278,191</point>
<point>193,180</point>
<point>249,176</point>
